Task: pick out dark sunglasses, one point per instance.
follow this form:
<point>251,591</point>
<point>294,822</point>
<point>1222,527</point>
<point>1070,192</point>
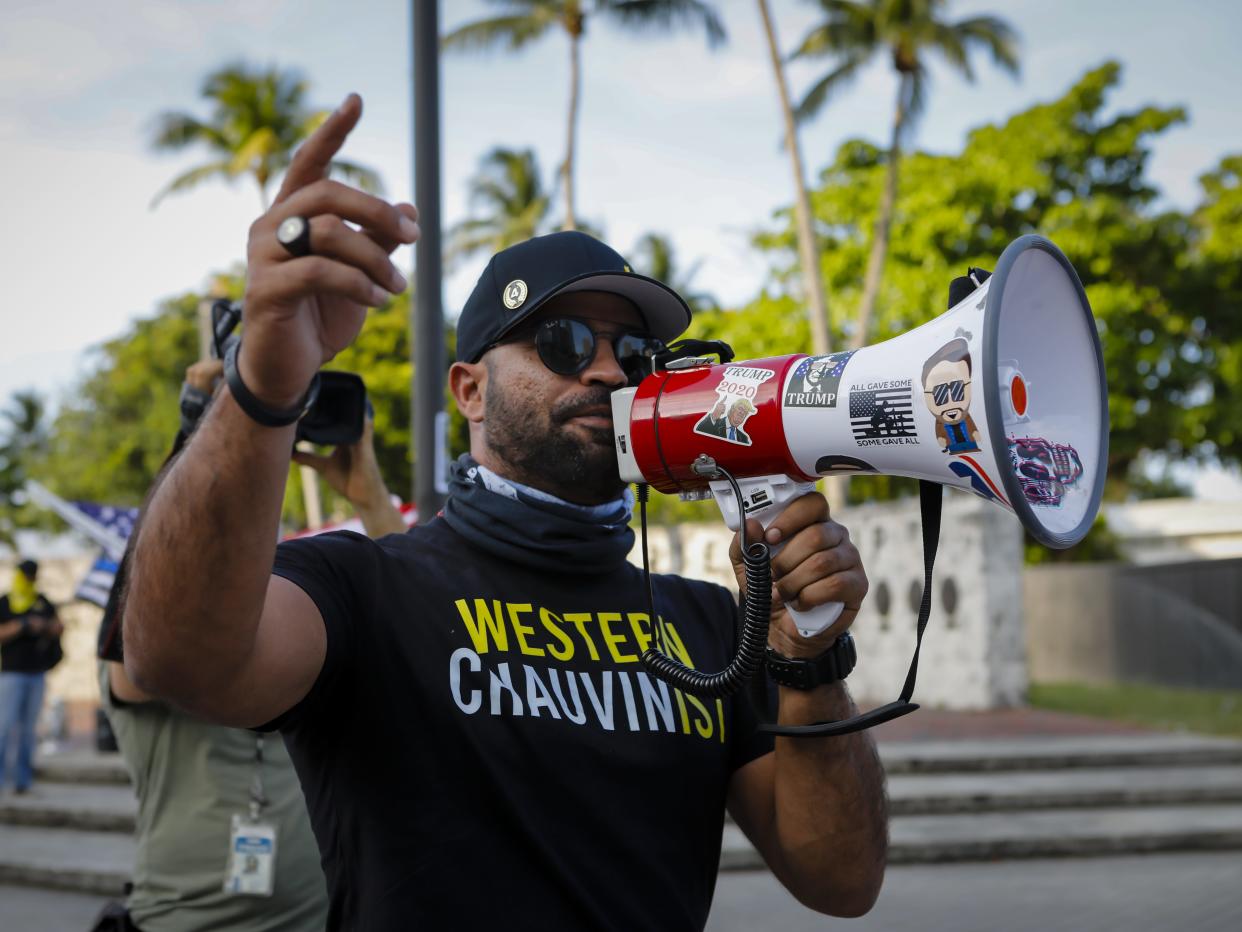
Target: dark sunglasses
<point>946,390</point>
<point>567,346</point>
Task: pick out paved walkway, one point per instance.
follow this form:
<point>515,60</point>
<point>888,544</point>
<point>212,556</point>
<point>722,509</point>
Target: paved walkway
<point>1151,893</point>
<point>1154,893</point>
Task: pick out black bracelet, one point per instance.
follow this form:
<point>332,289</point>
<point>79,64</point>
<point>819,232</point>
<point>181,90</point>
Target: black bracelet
<point>253,407</point>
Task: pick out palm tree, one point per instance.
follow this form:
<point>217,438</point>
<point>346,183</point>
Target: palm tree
<point>808,244</point>
<point>855,31</point>
<point>513,199</point>
<point>524,21</point>
<point>655,257</point>
<point>258,119</point>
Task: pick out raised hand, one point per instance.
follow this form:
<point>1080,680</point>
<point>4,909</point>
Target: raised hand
<point>302,311</point>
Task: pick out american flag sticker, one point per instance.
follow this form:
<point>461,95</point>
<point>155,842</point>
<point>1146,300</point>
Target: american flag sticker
<point>883,413</point>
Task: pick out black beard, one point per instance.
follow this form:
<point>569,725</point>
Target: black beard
<point>541,453</point>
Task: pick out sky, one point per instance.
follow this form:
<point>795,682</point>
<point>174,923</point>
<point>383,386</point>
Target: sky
<point>673,137</point>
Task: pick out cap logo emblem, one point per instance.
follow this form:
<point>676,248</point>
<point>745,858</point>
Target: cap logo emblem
<point>515,294</point>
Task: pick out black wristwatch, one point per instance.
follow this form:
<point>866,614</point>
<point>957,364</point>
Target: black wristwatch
<point>833,664</point>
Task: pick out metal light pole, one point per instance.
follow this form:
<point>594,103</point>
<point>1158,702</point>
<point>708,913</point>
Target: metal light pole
<point>427,325</point>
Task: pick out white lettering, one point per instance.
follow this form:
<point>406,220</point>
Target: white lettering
<point>602,711</point>
<point>537,695</point>
<point>502,680</point>
<point>651,699</point>
<point>630,710</point>
<point>577,715</point>
<point>471,660</point>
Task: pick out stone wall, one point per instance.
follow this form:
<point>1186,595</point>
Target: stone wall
<point>974,654</point>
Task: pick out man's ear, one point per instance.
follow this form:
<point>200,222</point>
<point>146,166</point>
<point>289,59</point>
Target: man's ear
<point>468,383</point>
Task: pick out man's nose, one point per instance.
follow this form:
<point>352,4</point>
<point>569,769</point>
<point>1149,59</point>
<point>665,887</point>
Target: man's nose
<point>604,368</point>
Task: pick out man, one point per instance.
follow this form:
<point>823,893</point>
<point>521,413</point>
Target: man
<point>946,389</point>
<point>712,424</point>
<point>739,411</point>
<point>192,777</point>
<point>477,740</point>
<point>29,646</point>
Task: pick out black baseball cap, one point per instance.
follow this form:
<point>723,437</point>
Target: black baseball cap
<point>29,567</point>
<point>521,279</point>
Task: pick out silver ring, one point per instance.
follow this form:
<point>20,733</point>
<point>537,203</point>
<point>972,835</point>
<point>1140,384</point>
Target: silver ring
<point>294,234</point>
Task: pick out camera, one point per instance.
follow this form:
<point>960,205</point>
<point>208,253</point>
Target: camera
<point>336,417</point>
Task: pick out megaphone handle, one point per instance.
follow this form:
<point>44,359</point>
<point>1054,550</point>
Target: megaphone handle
<point>765,497</point>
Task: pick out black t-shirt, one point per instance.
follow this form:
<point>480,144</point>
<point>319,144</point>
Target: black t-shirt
<point>29,652</point>
<point>483,748</point>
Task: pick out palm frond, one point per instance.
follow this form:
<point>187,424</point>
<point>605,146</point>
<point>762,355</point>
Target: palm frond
<point>511,32</point>
<point>176,131</point>
<point>829,84</point>
<point>667,14</point>
<point>994,34</point>
<point>949,42</point>
<point>193,178</point>
<point>255,151</point>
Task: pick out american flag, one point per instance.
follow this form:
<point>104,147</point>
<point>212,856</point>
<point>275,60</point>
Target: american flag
<point>883,412</point>
<point>97,584</point>
<point>107,525</point>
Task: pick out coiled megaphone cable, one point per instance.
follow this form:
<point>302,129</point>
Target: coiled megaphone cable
<point>756,615</point>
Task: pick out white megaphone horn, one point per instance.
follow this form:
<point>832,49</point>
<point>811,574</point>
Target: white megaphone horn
<point>1003,395</point>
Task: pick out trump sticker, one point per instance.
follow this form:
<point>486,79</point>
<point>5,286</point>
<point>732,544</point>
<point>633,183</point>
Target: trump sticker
<point>734,404</point>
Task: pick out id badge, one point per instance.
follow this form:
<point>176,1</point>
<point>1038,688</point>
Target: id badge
<point>252,858</point>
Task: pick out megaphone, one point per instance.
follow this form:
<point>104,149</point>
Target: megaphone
<point>1003,396</point>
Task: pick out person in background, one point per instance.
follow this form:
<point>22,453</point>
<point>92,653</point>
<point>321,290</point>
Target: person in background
<point>29,646</point>
<point>193,777</point>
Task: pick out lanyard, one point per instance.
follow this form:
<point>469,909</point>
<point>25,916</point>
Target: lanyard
<point>257,797</point>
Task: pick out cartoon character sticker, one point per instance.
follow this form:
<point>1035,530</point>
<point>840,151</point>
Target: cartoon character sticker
<point>1046,470</point>
<point>816,381</point>
<point>946,389</point>
<point>734,404</point>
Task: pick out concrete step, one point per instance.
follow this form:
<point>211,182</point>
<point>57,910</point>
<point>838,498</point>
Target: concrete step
<point>106,807</point>
<point>995,791</point>
<point>88,806</point>
<point>61,859</point>
<point>82,766</point>
<point>937,839</point>
<point>1056,753</point>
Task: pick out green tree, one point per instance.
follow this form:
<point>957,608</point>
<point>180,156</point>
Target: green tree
<point>808,240</point>
<point>655,257</point>
<point>258,118</point>
<point>511,200</point>
<point>524,21</point>
<point>856,31</point>
<point>23,442</point>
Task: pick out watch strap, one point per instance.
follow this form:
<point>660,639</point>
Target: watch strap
<point>254,408</point>
<point>832,665</point>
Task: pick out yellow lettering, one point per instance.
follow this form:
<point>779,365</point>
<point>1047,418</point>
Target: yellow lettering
<point>550,620</point>
<point>681,707</point>
<point>671,641</point>
<point>640,624</point>
<point>521,630</point>
<point>479,629</point>
<point>703,721</point>
<point>612,640</point>
<point>579,620</point>
<point>720,717</point>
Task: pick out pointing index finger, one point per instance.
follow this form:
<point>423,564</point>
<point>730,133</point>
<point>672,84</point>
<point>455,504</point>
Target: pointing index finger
<point>310,163</point>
